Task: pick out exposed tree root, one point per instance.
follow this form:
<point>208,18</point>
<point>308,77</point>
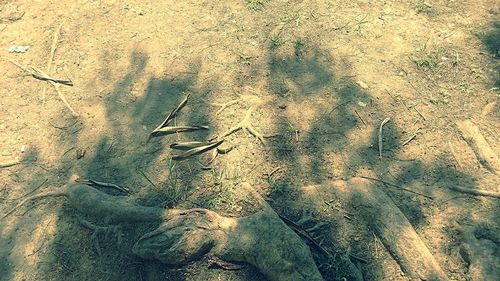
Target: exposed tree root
<point>246,126</point>
<point>262,239</point>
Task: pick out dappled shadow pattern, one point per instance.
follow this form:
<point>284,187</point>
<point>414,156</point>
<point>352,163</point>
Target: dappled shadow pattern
<point>123,156</point>
<point>329,148</point>
<point>491,40</point>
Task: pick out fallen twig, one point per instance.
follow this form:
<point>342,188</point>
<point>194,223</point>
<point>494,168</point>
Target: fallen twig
<point>188,145</point>
<point>305,234</point>
<point>359,116</point>
<point>53,47</point>
<point>39,74</point>
<point>476,191</point>
<point>9,163</point>
<point>34,189</point>
<point>51,81</point>
<point>400,187</point>
<point>409,140</point>
<point>178,129</point>
<point>12,17</point>
<point>95,183</point>
<point>170,117</point>
<point>224,105</point>
<point>197,150</point>
<point>380,136</point>
<point>146,177</point>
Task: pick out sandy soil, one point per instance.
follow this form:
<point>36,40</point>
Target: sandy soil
<point>319,76</point>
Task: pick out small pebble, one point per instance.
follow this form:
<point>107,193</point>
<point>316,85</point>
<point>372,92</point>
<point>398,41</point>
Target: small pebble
<point>362,104</point>
<point>362,84</point>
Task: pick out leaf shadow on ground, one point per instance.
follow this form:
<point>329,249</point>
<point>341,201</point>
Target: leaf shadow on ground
<point>124,157</point>
<point>491,41</point>
<point>326,150</point>
<point>335,147</point>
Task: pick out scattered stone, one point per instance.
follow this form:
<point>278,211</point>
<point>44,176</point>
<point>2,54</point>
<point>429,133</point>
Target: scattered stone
<point>80,153</point>
<point>18,49</point>
<point>362,84</point>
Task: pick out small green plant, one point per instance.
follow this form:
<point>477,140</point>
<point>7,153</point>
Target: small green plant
<point>277,41</point>
<point>224,196</point>
<point>299,47</point>
<point>424,8</point>
<point>255,5</point>
<point>278,187</point>
<point>173,183</point>
<point>428,59</point>
<point>226,181</point>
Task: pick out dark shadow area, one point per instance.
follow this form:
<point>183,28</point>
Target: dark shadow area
<point>491,40</point>
<point>28,176</point>
<point>307,74</point>
<point>330,136</point>
<point>123,157</point>
<point>327,150</point>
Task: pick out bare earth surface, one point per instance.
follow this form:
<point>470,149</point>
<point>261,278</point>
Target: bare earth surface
<point>319,78</point>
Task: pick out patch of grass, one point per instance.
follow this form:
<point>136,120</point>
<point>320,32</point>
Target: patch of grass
<point>224,196</point>
<point>299,47</point>
<point>256,5</point>
<point>175,190</point>
<point>226,181</point>
<point>466,88</point>
<point>278,187</point>
<point>427,59</point>
<point>277,41</point>
<point>440,98</point>
<point>423,8</point>
<point>295,18</point>
<point>338,267</point>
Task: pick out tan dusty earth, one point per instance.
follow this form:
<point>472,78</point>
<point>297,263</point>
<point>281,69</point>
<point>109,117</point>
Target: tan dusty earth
<point>318,77</point>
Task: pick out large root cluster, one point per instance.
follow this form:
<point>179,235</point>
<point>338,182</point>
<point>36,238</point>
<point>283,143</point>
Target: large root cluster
<point>261,239</point>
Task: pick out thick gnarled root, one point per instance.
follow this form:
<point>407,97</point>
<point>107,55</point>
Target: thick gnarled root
<point>261,239</point>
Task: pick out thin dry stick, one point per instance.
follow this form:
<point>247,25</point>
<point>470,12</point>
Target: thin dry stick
<point>56,85</point>
<point>33,197</point>
<point>476,191</point>
<point>51,57</point>
<point>360,117</point>
<point>305,234</point>
<point>224,105</point>
<point>34,189</point>
<point>146,177</point>
<point>9,163</point>
<point>400,187</point>
<point>380,136</point>
<point>409,140</point>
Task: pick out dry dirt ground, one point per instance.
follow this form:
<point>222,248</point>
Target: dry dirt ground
<point>320,77</point>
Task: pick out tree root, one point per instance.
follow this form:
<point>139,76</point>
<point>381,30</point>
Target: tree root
<point>246,126</point>
<point>262,239</point>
